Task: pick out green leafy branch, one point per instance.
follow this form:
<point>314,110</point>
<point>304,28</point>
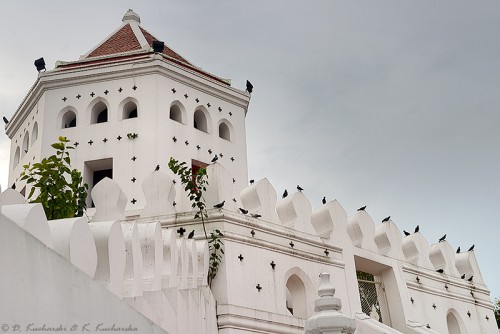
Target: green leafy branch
<point>61,190</point>
<point>195,184</point>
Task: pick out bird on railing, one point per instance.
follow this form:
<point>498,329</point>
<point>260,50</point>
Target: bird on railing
<point>323,200</point>
<point>406,233</point>
<point>255,215</point>
<point>458,249</point>
<point>285,194</point>
<point>386,219</point>
<point>362,208</point>
<point>417,229</point>
<point>243,211</point>
<point>442,238</point>
<point>157,168</point>
<point>220,205</point>
<point>191,235</point>
<point>299,188</point>
<point>215,158</point>
<point>471,248</point>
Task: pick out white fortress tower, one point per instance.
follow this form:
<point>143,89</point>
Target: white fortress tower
<point>128,108</point>
<point>129,105</point>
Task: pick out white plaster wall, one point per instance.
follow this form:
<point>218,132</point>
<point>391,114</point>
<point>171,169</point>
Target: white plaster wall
<point>41,287</point>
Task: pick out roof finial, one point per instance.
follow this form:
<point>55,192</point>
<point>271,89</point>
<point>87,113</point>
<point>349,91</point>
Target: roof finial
<point>130,15</point>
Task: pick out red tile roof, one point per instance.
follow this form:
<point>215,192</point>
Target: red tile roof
<point>122,41</point>
<point>166,50</point>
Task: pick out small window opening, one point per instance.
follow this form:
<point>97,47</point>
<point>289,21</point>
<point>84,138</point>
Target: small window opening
<point>224,132</point>
<point>26,144</point>
<point>94,172</point>
<point>103,116</point>
<point>296,299</point>
<point>69,120</point>
<point>200,121</point>
<point>176,114</point>
<point>34,134</point>
<point>129,110</point>
<point>17,157</point>
<point>99,113</point>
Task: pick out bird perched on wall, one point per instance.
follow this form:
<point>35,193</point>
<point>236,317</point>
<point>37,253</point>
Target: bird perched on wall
<point>252,181</point>
<point>216,157</point>
<point>157,168</point>
<point>458,249</point>
<point>463,276</point>
<point>255,215</point>
<point>243,211</point>
<point>471,248</point>
<point>5,120</point>
<point>285,194</point>
<point>386,219</point>
<point>323,200</point>
<point>220,205</point>
<point>406,233</point>
<point>442,238</point>
<point>440,271</point>
<point>362,208</point>
<point>470,278</point>
<point>191,235</point>
<point>417,229</point>
<point>299,188</point>
<point>249,87</point>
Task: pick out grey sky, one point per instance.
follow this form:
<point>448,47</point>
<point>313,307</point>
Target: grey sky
<point>389,104</point>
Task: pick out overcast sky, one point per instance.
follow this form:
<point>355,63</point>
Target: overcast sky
<point>390,104</point>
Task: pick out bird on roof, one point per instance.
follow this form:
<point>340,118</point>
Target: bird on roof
<point>243,211</point>
<point>470,278</point>
<point>157,168</point>
<point>299,188</point>
<point>463,276</point>
<point>362,208</point>
<point>220,205</point>
<point>249,87</point>
<point>406,233</point>
<point>442,238</point>
<point>323,200</point>
<point>417,229</point>
<point>5,120</point>
<point>255,215</point>
<point>216,157</point>
<point>252,181</point>
<point>440,271</point>
<point>191,235</point>
<point>458,249</point>
<point>386,219</point>
<point>471,248</point>
<point>285,194</point>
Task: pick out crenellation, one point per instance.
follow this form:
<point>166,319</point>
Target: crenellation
<point>388,240</point>
<point>416,250</point>
<point>159,192</point>
<point>442,257</point>
<point>295,212</point>
<point>260,198</point>
<point>361,230</point>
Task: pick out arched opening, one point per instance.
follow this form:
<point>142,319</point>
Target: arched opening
<point>34,133</point>
<point>224,132</point>
<point>129,110</point>
<point>296,302</point>
<point>17,157</point>
<point>26,144</point>
<point>99,113</point>
<point>453,325</point>
<point>177,114</point>
<point>68,120</point>
<point>200,121</point>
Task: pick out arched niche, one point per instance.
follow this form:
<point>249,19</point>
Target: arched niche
<point>177,112</point>
<point>34,133</point>
<point>129,110</point>
<point>26,144</point>
<point>298,291</point>
<point>225,130</point>
<point>67,118</point>
<point>99,111</point>
<point>454,322</point>
<point>17,157</point>
<point>202,120</point>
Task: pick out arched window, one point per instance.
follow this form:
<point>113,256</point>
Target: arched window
<point>177,114</point>
<point>224,132</point>
<point>34,133</point>
<point>200,121</point>
<point>296,297</point>
<point>453,325</point>
<point>99,113</point>
<point>26,144</point>
<point>17,156</point>
<point>129,110</point>
<point>68,119</point>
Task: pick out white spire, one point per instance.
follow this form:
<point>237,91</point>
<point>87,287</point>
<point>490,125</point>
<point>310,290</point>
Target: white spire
<point>130,16</point>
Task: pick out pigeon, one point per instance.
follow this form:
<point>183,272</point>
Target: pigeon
<point>13,186</point>
<point>386,219</point>
<point>5,120</point>
<point>157,168</point>
<point>442,238</point>
<point>406,233</point>
<point>243,211</point>
<point>255,215</point>
<point>417,228</point>
<point>299,188</point>
<point>458,249</point>
<point>323,200</point>
<point>471,248</point>
<point>470,278</point>
<point>285,194</point>
<point>220,205</point>
<point>252,181</point>
<point>440,271</point>
<point>191,235</point>
<point>463,276</point>
<point>362,208</point>
<point>216,157</point>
